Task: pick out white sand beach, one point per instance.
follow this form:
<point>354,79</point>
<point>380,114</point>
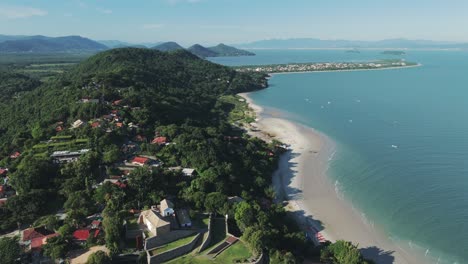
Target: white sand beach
<point>301,180</point>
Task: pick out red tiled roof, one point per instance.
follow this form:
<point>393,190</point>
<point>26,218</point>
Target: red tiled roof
<point>3,171</point>
<point>121,184</point>
<point>96,223</point>
<point>82,234</point>
<point>15,155</point>
<point>140,160</point>
<point>2,188</point>
<point>95,124</point>
<point>117,102</point>
<point>31,233</point>
<point>159,140</point>
<point>3,202</point>
<point>38,242</point>
<point>119,124</point>
<point>59,128</point>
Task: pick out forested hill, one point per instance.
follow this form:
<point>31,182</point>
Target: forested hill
<point>170,87</point>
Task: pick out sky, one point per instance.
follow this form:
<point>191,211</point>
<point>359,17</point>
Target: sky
<point>236,21</point>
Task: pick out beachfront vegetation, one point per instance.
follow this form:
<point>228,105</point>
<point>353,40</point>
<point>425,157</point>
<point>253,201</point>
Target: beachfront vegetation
<point>342,252</point>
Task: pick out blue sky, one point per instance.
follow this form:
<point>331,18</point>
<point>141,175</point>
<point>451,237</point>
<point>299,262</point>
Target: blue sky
<point>237,21</point>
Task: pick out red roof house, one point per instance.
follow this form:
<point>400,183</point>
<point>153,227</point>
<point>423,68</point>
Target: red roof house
<point>59,128</point>
<point>83,234</point>
<point>140,161</point>
<point>159,140</point>
<point>15,155</point>
<point>38,242</point>
<point>3,171</point>
<point>95,224</point>
<point>117,102</point>
<point>96,124</point>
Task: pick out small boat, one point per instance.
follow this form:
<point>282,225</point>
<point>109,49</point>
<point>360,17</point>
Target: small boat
<point>394,146</point>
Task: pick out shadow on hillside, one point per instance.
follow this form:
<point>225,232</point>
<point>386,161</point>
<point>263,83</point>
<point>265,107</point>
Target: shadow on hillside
<point>378,255</point>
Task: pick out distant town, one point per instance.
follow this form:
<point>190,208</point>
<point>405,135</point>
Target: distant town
<point>325,66</point>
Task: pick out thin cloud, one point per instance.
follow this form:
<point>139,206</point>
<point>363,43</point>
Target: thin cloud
<point>152,26</point>
<point>15,12</point>
<point>105,11</point>
<point>183,1</point>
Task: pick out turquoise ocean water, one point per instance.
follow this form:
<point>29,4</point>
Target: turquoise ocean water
<point>402,137</point>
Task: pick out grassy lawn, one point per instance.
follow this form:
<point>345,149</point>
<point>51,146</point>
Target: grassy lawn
<point>172,245</point>
<point>237,251</point>
<point>240,110</point>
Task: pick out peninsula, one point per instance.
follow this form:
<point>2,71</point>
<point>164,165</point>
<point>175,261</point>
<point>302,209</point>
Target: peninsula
<point>325,66</point>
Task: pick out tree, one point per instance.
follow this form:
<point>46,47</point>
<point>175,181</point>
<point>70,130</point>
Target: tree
<point>56,247</point>
<point>214,202</point>
<point>279,258</point>
<point>99,257</point>
<point>244,215</point>
<point>255,238</point>
<point>32,173</point>
<point>342,252</point>
<point>28,207</point>
<point>9,250</point>
<point>111,155</point>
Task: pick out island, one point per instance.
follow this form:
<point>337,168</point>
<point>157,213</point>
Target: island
<point>393,52</point>
<point>325,66</point>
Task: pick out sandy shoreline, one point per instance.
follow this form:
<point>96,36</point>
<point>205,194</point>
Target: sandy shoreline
<point>302,181</point>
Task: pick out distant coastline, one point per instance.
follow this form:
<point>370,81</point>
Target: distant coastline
<point>350,70</point>
<point>326,67</point>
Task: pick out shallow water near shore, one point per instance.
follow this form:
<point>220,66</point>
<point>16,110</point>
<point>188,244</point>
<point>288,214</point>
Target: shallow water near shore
<point>402,149</point>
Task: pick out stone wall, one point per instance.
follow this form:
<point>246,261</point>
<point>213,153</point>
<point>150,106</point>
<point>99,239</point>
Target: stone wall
<point>174,253</point>
<point>261,259</point>
<point>207,241</point>
<point>157,241</point>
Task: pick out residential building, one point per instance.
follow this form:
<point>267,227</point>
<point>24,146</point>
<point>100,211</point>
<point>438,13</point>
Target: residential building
<point>78,123</point>
<point>159,141</point>
<point>140,161</point>
<point>35,238</point>
<point>154,222</point>
<point>183,218</point>
<point>67,156</point>
<point>15,155</point>
<point>188,172</point>
<point>166,207</point>
<point>81,235</point>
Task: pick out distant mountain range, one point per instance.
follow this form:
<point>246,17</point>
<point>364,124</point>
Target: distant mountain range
<point>122,44</point>
<point>42,44</point>
<point>221,50</point>
<point>168,46</point>
<point>299,43</point>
